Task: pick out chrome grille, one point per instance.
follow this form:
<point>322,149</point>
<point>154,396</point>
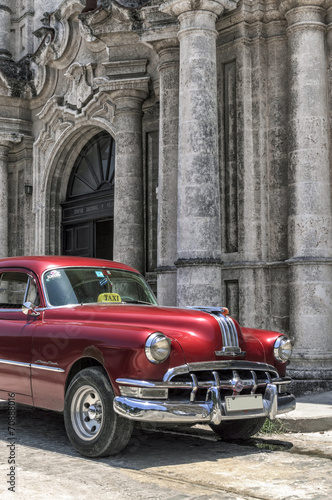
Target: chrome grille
<point>199,382</point>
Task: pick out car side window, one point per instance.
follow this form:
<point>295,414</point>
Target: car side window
<point>16,288</point>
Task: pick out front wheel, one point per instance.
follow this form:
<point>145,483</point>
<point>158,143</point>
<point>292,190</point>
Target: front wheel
<point>92,425</point>
<point>238,429</point>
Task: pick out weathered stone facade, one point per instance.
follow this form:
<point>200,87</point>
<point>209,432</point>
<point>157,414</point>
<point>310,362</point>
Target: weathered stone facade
<point>221,114</point>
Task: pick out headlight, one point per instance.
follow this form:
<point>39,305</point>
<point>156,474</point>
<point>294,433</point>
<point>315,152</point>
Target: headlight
<point>282,349</point>
<point>157,347</point>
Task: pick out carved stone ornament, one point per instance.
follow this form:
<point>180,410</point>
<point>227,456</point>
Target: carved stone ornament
<point>81,78</point>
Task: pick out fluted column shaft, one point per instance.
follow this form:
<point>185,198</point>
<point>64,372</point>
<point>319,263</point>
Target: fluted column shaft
<point>198,232</point>
<point>5,18</point>
<point>6,142</point>
<point>128,192</point>
<point>4,149</point>
<point>309,177</point>
<point>168,163</point>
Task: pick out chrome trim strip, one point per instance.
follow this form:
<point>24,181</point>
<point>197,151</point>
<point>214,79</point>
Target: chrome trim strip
<point>30,365</point>
<point>234,352</point>
<point>230,364</point>
<point>214,382</point>
<point>14,363</point>
<point>226,324</point>
<point>49,368</point>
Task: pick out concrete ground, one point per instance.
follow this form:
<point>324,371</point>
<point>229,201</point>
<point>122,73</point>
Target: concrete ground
<point>313,413</point>
<point>173,464</point>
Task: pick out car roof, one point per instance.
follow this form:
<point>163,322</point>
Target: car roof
<point>39,264</point>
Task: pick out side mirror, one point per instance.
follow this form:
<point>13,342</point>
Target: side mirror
<point>29,309</point>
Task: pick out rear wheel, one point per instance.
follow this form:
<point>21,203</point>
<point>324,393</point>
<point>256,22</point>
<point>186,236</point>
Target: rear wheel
<point>238,429</point>
<point>93,427</point>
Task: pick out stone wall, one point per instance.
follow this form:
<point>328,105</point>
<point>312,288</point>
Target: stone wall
<point>221,113</point>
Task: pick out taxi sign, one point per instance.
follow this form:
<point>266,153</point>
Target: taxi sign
<point>109,297</point>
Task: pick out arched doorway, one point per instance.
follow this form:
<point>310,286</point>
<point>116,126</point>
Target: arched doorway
<point>88,212</point>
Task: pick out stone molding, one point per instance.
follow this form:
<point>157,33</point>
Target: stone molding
<point>198,262</point>
<point>165,269</point>
<point>7,140</point>
<point>128,94</point>
<point>115,69</point>
<point>178,7</point>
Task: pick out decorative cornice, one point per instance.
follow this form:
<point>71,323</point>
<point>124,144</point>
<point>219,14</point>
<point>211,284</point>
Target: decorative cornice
<point>126,85</point>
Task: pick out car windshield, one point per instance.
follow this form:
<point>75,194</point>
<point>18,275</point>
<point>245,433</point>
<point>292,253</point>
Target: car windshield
<point>96,285</point>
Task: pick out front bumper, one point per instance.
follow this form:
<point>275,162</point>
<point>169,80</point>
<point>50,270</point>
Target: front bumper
<point>206,391</point>
<point>212,412</point>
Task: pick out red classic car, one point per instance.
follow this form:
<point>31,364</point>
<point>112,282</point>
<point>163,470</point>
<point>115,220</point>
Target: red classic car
<point>86,337</point>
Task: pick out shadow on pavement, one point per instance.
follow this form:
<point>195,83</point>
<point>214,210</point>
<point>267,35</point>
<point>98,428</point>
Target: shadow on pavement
<point>44,430</point>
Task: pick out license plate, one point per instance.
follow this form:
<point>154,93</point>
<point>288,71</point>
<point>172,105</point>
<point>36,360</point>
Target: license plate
<point>248,402</point>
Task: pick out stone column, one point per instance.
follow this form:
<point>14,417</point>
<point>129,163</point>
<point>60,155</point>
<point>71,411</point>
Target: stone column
<point>309,178</point>
<point>168,169</point>
<point>6,142</point>
<point>198,232</point>
<point>128,191</point>
<point>5,18</point>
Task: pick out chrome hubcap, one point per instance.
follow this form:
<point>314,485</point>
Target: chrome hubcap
<point>87,412</point>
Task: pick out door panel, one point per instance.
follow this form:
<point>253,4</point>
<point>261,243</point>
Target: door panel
<point>16,331</point>
<point>104,239</point>
<point>78,239</point>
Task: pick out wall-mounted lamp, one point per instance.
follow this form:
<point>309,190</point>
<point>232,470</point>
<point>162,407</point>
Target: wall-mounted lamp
<point>28,189</point>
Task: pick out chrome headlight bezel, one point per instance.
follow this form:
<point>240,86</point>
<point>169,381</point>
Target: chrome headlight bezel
<point>157,347</point>
<point>282,349</point>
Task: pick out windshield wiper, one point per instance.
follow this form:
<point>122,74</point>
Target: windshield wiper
<point>136,302</point>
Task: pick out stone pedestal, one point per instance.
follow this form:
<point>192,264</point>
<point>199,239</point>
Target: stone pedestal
<point>309,181</point>
<point>128,194</point>
<point>168,52</point>
<point>198,231</point>
<point>5,17</point>
<point>6,142</point>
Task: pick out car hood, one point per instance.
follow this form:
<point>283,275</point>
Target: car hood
<point>197,332</point>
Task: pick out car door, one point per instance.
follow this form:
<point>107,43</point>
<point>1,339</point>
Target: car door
<point>16,329</point>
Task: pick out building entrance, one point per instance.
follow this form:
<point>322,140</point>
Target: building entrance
<point>88,213</point>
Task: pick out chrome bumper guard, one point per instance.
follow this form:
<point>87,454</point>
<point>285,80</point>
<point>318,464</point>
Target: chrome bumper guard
<point>214,409</point>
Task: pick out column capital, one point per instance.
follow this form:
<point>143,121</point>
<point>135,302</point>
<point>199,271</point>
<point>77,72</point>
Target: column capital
<point>177,7</point>
<point>302,14</point>
<point>7,140</point>
<point>286,5</point>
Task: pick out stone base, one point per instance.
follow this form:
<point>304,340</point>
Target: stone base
<point>310,380</point>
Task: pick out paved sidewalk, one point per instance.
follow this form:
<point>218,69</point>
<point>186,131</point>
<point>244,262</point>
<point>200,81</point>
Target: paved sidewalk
<point>313,413</point>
